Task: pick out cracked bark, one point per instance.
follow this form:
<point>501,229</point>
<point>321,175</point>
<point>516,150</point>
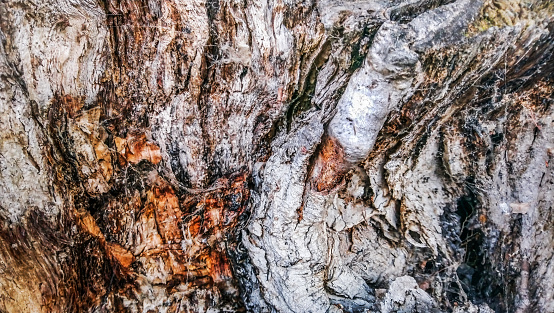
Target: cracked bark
<point>320,156</point>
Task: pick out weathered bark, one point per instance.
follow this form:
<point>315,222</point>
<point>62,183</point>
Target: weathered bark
<point>276,156</point>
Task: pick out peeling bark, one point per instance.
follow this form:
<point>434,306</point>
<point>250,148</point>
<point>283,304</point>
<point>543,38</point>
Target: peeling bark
<point>320,156</point>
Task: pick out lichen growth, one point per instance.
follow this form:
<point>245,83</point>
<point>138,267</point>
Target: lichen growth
<point>502,13</point>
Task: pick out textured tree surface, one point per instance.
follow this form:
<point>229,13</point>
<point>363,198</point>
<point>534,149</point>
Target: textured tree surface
<point>276,156</point>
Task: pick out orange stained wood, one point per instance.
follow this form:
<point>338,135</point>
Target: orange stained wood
<point>214,216</point>
<point>168,213</point>
<point>482,218</point>
<point>120,254</point>
<point>88,224</point>
<point>136,148</point>
<point>219,266</point>
<point>330,166</point>
<point>187,239</point>
<point>114,250</point>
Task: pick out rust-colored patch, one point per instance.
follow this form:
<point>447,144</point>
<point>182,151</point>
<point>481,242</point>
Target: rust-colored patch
<point>168,214</point>
<point>136,148</point>
<point>115,251</point>
<point>179,240</point>
<point>212,218</point>
<point>88,224</point>
<point>120,254</point>
<point>330,166</point>
<point>219,266</point>
<point>482,219</point>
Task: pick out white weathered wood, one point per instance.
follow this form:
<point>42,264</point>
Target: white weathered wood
<point>276,156</point>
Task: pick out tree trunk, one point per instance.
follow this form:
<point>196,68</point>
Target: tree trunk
<point>276,156</point>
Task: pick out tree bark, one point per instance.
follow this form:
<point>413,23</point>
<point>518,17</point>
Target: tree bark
<point>276,156</point>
